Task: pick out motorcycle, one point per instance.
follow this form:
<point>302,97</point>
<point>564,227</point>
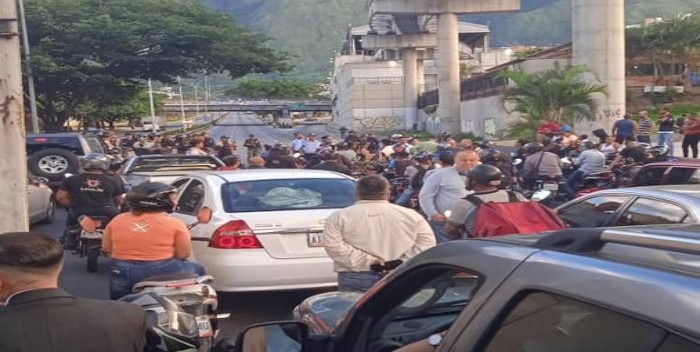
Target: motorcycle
<point>89,233</point>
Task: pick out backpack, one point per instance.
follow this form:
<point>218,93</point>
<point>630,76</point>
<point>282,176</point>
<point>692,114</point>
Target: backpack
<point>512,217</point>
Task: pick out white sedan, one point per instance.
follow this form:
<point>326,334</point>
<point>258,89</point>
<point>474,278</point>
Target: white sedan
<point>266,227</point>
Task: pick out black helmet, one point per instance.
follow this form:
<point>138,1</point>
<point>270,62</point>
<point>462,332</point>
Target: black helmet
<point>95,161</point>
<point>659,151</point>
<point>231,160</point>
<point>485,175</point>
<point>423,156</point>
<point>169,327</point>
<point>533,147</point>
<point>115,163</point>
<point>151,196</point>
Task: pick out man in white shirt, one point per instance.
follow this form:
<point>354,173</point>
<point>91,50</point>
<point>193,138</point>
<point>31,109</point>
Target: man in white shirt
<point>310,146</point>
<point>298,143</point>
<point>373,231</point>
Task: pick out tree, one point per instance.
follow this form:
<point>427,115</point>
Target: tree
<point>556,94</point>
<point>279,89</point>
<point>93,53</point>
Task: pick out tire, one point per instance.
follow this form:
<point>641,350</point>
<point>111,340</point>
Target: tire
<point>92,255</point>
<point>53,163</point>
<point>50,213</point>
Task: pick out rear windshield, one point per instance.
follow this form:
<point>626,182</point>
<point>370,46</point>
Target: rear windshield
<point>294,194</point>
<point>180,163</point>
<point>72,142</point>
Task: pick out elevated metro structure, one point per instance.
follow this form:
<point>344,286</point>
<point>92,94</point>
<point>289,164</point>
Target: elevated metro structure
<point>272,107</point>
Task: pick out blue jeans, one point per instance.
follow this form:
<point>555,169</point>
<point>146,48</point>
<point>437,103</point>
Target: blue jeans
<point>357,281</point>
<point>441,236</point>
<point>126,273</point>
<point>667,140</point>
<point>404,197</point>
<point>571,182</point>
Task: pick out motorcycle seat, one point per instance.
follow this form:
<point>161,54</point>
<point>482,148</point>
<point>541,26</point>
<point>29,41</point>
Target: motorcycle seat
<point>172,280</point>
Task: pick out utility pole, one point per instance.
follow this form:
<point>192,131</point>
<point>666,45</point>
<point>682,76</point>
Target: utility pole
<point>13,164</point>
<point>154,128</point>
<point>182,106</point>
<point>28,68</point>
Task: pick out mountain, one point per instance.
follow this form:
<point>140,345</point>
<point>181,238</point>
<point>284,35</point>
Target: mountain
<point>310,30</point>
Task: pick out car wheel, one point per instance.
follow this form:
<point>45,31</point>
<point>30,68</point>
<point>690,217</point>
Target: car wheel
<point>50,213</point>
<point>53,163</point>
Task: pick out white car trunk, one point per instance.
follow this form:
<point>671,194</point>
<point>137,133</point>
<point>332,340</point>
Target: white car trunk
<point>289,234</point>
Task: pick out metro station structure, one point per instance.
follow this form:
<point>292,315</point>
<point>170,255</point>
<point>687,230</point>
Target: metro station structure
<point>416,48</point>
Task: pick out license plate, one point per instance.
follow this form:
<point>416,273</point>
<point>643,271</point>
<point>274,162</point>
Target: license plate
<point>315,239</point>
<point>204,326</point>
<point>91,235</point>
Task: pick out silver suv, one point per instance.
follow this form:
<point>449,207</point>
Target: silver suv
<point>578,290</point>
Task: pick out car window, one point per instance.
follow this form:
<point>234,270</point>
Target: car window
<point>191,198</point>
<point>645,211</point>
<point>287,194</point>
<point>683,175</point>
<point>651,176</point>
<point>593,211</point>
<point>546,322</point>
<point>180,184</point>
<point>94,145</point>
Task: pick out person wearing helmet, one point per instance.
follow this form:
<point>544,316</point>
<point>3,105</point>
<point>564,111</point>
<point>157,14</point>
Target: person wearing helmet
<point>146,241</point>
<point>632,154</point>
<point>93,193</point>
<point>657,154</point>
<point>279,158</point>
<point>590,161</point>
<point>484,181</point>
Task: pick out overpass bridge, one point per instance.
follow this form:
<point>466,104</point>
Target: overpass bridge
<point>263,107</point>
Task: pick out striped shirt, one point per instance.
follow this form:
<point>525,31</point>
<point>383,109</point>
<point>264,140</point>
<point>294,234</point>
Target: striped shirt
<point>644,128</point>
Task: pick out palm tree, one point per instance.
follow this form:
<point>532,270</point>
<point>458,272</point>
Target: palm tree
<point>557,94</point>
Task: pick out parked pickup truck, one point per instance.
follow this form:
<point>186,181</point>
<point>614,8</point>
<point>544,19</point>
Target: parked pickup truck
<point>582,290</point>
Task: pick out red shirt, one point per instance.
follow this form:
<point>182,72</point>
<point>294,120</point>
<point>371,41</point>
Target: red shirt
<point>550,127</point>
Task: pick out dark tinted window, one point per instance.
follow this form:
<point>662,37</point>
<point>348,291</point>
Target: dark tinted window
<point>191,198</point>
<point>71,142</point>
<point>646,211</point>
<point>274,195</point>
<point>94,144</point>
<point>650,176</point>
<point>545,322</point>
<point>683,175</point>
<point>592,212</point>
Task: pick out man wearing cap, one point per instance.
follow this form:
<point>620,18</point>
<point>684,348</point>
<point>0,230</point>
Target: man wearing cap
<point>253,145</point>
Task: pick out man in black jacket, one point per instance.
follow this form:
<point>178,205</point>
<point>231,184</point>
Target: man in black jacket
<point>37,316</point>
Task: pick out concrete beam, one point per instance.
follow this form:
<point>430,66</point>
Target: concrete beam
<point>390,41</point>
<point>436,7</point>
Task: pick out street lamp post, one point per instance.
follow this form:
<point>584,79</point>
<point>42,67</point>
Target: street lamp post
<point>182,105</point>
<point>153,107</point>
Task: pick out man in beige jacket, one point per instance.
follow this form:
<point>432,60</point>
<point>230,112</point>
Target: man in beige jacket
<point>373,231</point>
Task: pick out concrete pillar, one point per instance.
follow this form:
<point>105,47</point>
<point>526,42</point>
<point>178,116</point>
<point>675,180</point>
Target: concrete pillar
<point>410,86</point>
<point>598,28</point>
<point>420,76</point>
<point>448,73</point>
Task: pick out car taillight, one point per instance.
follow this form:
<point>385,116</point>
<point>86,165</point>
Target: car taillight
<point>234,235</point>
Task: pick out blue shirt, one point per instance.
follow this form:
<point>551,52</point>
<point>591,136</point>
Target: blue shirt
<point>624,127</point>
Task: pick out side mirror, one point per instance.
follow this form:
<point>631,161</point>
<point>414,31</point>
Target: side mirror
<point>204,215</point>
<point>288,336</point>
<point>541,195</point>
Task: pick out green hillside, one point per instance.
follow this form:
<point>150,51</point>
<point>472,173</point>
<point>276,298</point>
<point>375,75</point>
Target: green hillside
<point>310,30</point>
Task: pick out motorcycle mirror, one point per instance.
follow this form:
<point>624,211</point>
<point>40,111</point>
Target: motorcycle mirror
<point>541,195</point>
<point>204,215</point>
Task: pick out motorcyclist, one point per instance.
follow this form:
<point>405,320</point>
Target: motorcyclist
<point>415,174</point>
<point>93,193</point>
<point>657,154</point>
<point>632,154</point>
<point>492,156</point>
<point>540,165</point>
<point>590,161</point>
<point>278,159</point>
<point>146,241</point>
<point>330,161</point>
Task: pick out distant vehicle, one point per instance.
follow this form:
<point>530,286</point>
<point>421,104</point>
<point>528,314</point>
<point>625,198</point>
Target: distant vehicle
<point>267,227</point>
<point>584,290</point>
<point>654,205</point>
<point>148,125</point>
<point>165,168</point>
<point>40,201</point>
<point>53,155</point>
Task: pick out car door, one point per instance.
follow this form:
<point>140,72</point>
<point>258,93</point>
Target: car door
<point>36,204</point>
<point>650,176</point>
<point>652,211</point>
<point>683,176</point>
<point>593,211</point>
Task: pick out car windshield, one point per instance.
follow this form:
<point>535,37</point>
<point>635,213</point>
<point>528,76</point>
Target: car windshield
<point>288,194</point>
<point>179,163</point>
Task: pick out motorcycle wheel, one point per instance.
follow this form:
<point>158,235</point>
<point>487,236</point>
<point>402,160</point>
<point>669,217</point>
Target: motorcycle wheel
<point>92,255</point>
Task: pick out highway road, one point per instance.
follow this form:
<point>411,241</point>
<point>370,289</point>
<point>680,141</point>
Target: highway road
<point>245,308</point>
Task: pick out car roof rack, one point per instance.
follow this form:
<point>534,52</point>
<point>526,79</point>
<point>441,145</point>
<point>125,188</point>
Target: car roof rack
<point>586,240</point>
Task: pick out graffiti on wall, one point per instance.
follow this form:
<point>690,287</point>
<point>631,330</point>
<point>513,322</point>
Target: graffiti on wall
<point>382,123</point>
<point>610,114</point>
<point>490,128</point>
